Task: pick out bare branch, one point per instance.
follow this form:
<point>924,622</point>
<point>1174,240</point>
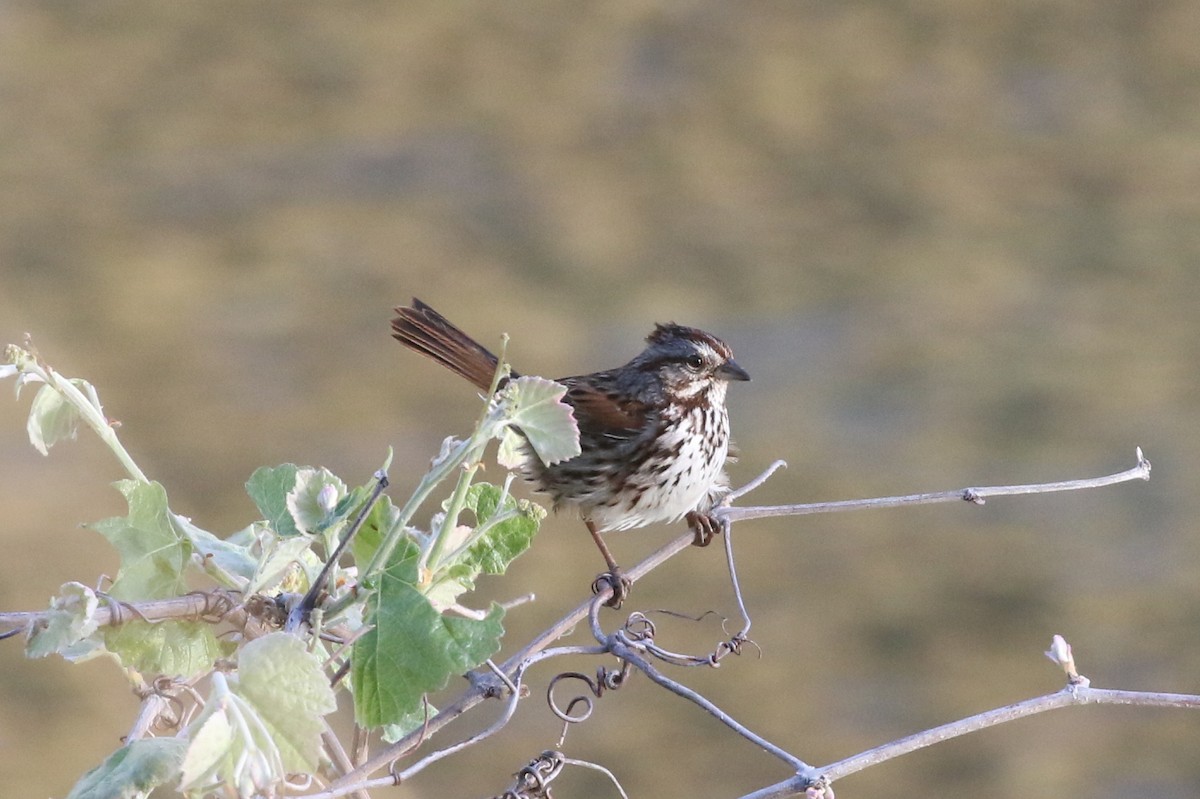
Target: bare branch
<point>727,515</point>
<point>974,495</point>
<point>627,653</point>
<point>1077,692</point>
<point>807,778</point>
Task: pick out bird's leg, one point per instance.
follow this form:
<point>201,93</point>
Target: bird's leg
<point>704,526</point>
<point>614,576</point>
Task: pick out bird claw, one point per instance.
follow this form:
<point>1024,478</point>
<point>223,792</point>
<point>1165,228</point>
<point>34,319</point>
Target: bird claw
<point>620,584</point>
<point>704,527</point>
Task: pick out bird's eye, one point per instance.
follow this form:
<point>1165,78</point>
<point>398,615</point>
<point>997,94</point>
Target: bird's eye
<point>694,362</point>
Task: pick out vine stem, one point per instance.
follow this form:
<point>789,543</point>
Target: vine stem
<point>1070,696</point>
<point>539,647</point>
<point>568,622</point>
<point>478,693</point>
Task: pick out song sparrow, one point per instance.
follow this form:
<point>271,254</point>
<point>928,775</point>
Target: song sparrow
<point>654,433</point>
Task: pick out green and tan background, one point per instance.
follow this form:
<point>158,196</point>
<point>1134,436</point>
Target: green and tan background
<point>954,242</point>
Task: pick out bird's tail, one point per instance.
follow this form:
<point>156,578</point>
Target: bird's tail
<point>426,331</point>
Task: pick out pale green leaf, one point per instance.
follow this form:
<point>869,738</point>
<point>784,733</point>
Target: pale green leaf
<point>513,451</point>
<point>261,723</point>
<point>269,487</point>
<point>285,683</point>
<point>175,647</point>
<point>506,539</point>
<point>314,498</point>
<point>230,746</point>
<point>52,418</point>
<point>287,558</point>
<point>132,771</point>
<point>153,553</point>
<point>535,406</point>
<point>379,522</point>
<point>501,534</point>
<point>210,750</point>
<point>231,563</point>
<point>70,620</point>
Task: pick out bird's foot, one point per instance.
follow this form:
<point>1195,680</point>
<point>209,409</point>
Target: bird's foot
<point>704,527</point>
<point>614,578</point>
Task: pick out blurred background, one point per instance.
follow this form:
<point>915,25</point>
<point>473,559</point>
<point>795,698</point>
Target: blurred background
<point>955,243</point>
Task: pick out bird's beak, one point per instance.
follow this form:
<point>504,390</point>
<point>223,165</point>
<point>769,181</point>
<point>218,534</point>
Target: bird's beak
<point>731,371</point>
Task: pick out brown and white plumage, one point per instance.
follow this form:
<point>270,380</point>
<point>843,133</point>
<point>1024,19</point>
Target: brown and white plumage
<point>654,433</point>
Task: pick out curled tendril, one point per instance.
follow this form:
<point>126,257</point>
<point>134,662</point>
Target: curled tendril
<point>606,680</point>
<point>533,781</point>
<point>217,605</point>
<point>732,646</point>
<point>172,714</point>
<point>639,628</point>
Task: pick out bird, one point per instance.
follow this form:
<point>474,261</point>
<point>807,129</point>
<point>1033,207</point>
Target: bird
<point>653,434</point>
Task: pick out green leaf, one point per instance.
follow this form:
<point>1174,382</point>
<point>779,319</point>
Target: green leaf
<point>535,406</point>
<point>175,647</point>
<point>132,771</point>
<point>409,722</point>
<point>313,499</point>
<point>71,619</point>
<point>500,536</point>
<point>286,559</point>
<point>269,487</point>
<point>211,752</point>
<point>382,518</point>
<point>262,723</point>
<point>412,649</point>
<point>230,746</point>
<point>52,418</point>
<point>285,682</point>
<point>229,562</point>
<point>153,553</point>
<point>504,541</point>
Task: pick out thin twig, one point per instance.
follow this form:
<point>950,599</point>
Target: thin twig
<point>596,766</point>
<point>974,495</point>
<point>477,694</point>
<point>509,709</point>
<point>1070,696</point>
<point>333,747</point>
<point>627,653</point>
<point>733,579</point>
<point>346,786</point>
<point>300,612</point>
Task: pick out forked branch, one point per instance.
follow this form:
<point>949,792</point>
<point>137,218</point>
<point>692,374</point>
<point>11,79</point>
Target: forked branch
<point>1078,691</point>
<point>727,514</point>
